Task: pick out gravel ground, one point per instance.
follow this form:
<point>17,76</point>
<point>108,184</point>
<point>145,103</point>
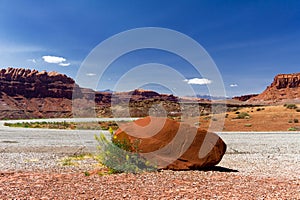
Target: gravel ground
<point>256,166</point>
<point>158,185</point>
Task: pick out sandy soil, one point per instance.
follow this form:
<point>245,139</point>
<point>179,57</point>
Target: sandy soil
<point>265,118</point>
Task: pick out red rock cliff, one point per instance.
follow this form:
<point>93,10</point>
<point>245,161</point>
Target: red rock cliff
<point>34,84</point>
<point>284,87</point>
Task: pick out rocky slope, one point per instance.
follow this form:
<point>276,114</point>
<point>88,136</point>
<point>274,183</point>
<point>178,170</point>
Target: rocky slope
<point>285,87</point>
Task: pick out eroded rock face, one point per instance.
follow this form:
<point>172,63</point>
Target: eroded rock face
<point>287,81</point>
<point>284,87</point>
<point>173,145</point>
<point>26,93</point>
<point>34,84</point>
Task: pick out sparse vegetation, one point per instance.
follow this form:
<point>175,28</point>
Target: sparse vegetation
<point>293,120</point>
<point>248,125</point>
<point>293,129</point>
<point>67,125</point>
<point>291,106</point>
<point>73,160</point>
<point>232,109</point>
<point>67,162</point>
<point>121,156</point>
<point>243,115</point>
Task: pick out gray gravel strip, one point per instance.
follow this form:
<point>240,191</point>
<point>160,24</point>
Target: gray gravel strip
<point>262,154</point>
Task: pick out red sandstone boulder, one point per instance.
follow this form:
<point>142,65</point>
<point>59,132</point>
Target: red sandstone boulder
<point>173,145</point>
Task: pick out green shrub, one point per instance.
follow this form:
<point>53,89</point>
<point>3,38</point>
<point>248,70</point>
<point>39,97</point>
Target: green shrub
<point>86,173</point>
<point>291,106</point>
<point>121,156</point>
<point>67,162</point>
<point>233,109</point>
<point>110,130</point>
<point>292,129</point>
<point>243,115</point>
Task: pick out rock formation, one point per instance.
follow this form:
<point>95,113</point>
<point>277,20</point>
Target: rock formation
<point>33,84</point>
<point>26,93</point>
<point>285,87</point>
<point>173,145</point>
<point>245,97</point>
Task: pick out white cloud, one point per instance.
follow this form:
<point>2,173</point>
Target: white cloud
<point>198,81</point>
<point>31,60</point>
<point>64,64</point>
<point>53,59</point>
<point>61,61</point>
<point>91,74</point>
<point>234,85</point>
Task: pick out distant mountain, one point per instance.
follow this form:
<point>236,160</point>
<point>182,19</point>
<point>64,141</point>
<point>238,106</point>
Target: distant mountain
<point>245,97</point>
<point>107,90</point>
<point>210,97</point>
<point>285,87</point>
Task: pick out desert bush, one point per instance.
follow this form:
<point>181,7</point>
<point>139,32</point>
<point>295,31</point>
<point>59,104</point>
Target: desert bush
<point>298,109</point>
<point>296,121</point>
<point>121,156</point>
<point>233,109</point>
<point>290,121</point>
<point>292,129</point>
<point>243,115</point>
<point>291,106</point>
<point>248,125</point>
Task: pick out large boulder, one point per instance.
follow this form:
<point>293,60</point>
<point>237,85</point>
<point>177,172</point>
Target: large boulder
<point>172,145</point>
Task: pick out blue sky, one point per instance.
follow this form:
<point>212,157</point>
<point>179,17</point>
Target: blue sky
<point>250,41</point>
